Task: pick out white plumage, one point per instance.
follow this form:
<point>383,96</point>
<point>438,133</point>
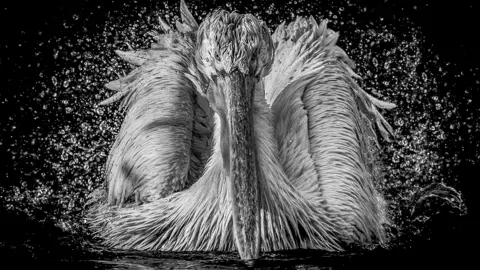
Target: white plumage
<point>314,143</point>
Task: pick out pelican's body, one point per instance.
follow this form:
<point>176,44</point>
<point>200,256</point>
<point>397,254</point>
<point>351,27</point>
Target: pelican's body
<point>237,140</point>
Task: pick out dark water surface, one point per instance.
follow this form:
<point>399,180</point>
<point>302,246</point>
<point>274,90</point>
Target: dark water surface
<point>55,59</point>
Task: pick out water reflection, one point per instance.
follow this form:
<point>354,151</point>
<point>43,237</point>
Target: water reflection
<point>302,259</point>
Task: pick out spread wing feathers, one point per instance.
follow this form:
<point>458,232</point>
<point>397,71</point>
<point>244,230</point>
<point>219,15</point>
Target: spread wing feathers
<point>163,143</point>
<point>200,218</point>
<point>325,127</point>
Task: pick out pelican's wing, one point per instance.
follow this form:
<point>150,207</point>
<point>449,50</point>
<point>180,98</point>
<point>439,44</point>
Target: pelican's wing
<point>163,143</point>
<point>325,127</point>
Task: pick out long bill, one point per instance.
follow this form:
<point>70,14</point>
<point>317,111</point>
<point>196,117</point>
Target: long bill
<point>243,168</point>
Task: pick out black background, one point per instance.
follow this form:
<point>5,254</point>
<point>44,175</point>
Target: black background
<point>451,26</point>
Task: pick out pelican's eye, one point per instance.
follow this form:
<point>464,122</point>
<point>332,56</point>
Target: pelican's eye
<point>217,57</point>
<point>214,78</point>
<point>254,65</point>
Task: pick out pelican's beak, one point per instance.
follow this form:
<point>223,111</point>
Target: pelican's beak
<point>243,170</point>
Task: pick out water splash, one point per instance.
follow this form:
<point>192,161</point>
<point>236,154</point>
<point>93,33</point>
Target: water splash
<point>58,137</point>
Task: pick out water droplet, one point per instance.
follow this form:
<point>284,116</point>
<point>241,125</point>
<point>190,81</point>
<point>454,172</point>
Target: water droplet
<point>399,122</point>
<point>375,61</point>
<point>85,127</point>
<point>386,65</point>
<point>395,158</point>
<point>54,81</point>
<point>103,126</point>
<point>424,76</point>
<point>99,110</point>
<point>64,155</point>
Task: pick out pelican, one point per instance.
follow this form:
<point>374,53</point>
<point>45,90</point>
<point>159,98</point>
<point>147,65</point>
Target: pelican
<point>236,139</point>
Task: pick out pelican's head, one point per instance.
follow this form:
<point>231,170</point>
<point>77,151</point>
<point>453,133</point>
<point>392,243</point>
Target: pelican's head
<point>233,53</point>
<point>229,42</point>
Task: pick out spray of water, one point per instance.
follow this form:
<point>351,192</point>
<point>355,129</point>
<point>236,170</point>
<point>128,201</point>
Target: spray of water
<point>58,157</point>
